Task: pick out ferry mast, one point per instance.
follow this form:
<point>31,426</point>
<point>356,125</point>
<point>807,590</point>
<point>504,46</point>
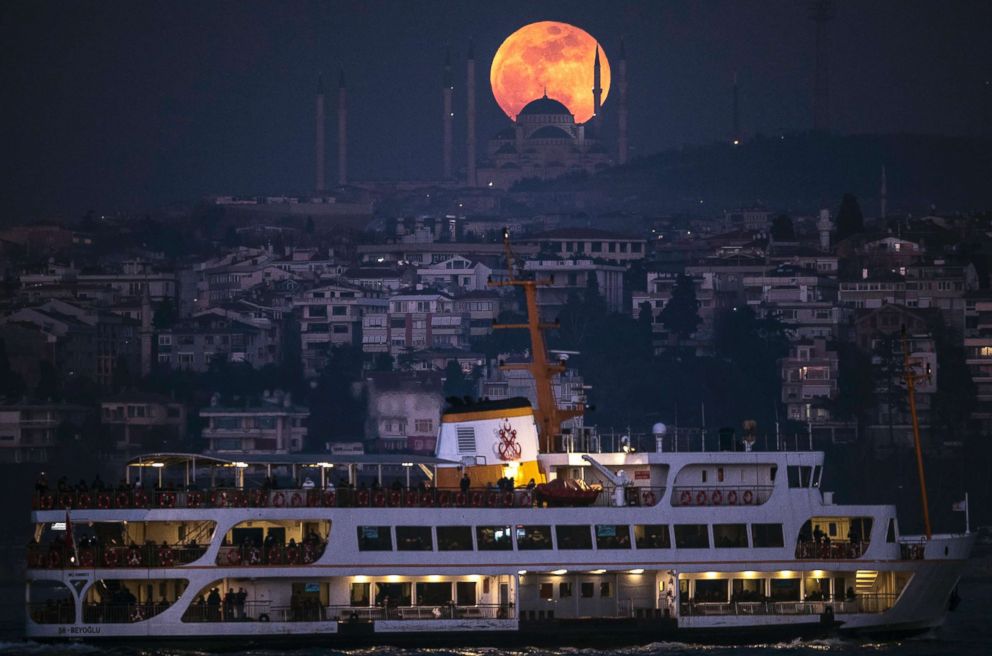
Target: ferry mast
<point>547,415</point>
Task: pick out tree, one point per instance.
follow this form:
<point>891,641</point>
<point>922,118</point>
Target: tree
<point>849,218</point>
<point>11,383</point>
<point>165,314</point>
<point>680,316</point>
<point>855,387</point>
<point>310,228</point>
<point>456,383</point>
<point>782,229</point>
<point>383,362</point>
<point>889,371</point>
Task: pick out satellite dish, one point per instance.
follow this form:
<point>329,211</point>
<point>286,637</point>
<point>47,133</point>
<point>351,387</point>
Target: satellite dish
<point>659,429</point>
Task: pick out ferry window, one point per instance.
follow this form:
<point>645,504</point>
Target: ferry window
<point>493,538</point>
<point>374,538</point>
<point>767,535</point>
<point>748,590</point>
<point>719,474</point>
<point>588,589</point>
<point>393,594</point>
<point>547,591</point>
<point>465,593</point>
<point>612,536</point>
<point>652,536</point>
<point>433,594</point>
<point>703,475</point>
<point>414,538</point>
<point>773,473</point>
<point>729,536</point>
<point>805,476</point>
<point>564,589</point>
<point>711,591</point>
<point>573,537</point>
<point>692,536</point>
<point>605,589</point>
<point>360,594</point>
<point>785,590</point>
<point>817,472</point>
<point>454,538</point>
<point>793,472</point>
<point>890,534</point>
<point>817,589</point>
<point>533,537</point>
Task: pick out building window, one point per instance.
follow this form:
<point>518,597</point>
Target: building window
<point>424,425</point>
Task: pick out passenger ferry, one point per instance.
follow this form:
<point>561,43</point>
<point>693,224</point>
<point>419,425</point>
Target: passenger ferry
<point>709,546</point>
<point>515,531</point>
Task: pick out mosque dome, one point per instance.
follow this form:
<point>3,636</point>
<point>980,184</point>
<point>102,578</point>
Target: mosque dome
<point>544,105</point>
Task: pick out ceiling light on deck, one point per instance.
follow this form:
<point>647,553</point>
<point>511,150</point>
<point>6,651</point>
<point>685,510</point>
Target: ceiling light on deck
<point>241,465</point>
<point>325,465</point>
<point>559,572</point>
<point>597,571</point>
<point>158,464</point>
<point>521,572</point>
<point>639,570</point>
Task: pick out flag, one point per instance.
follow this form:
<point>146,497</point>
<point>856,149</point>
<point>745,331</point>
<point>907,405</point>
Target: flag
<point>960,506</point>
<point>70,540</point>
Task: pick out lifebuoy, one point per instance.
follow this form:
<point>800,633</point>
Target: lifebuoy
<point>411,498</point>
<point>54,559</point>
<point>292,554</point>
<point>123,499</point>
<point>425,500</point>
<point>313,498</point>
<point>86,558</point>
<point>134,557</point>
<point>167,500</point>
<point>701,498</point>
<point>379,499</point>
<point>394,499</point>
<point>47,501</point>
<point>308,554</point>
<point>363,498</point>
<point>193,499</point>
<point>110,558</point>
<point>648,498</point>
<point>165,558</point>
<point>492,499</point>
<point>279,500</point>
<point>103,500</point>
<point>254,556</point>
<point>296,500</point>
<point>234,557</point>
<point>685,498</point>
<point>717,498</point>
<point>445,499</point>
<point>748,496</point>
<point>85,500</point>
<point>273,555</point>
<point>218,499</point>
<point>65,500</point>
<point>330,499</point>
<point>732,498</point>
<point>508,499</point>
<point>139,499</point>
<point>525,499</point>
<point>476,499</point>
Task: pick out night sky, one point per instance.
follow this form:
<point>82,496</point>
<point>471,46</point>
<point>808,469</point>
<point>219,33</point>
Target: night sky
<point>133,105</point>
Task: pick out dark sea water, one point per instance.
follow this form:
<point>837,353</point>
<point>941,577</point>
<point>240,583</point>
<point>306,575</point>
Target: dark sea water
<point>966,632</point>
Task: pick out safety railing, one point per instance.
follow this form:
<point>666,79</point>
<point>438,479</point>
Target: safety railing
<point>116,612</point>
<point>912,550</point>
<point>862,603</point>
<point>823,550</point>
<point>111,557</point>
<point>721,495</point>
<point>61,611</point>
<point>270,555</point>
<point>441,611</point>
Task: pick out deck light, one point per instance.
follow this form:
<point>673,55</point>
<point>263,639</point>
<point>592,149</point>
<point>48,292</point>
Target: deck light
<point>241,465</point>
<point>635,571</point>
<point>521,572</point>
<point>598,571</point>
<point>559,572</point>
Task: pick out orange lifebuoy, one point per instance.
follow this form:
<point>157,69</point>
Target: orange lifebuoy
<point>685,498</point>
<point>254,556</point>
<point>426,501</point>
<point>648,498</point>
<point>292,554</point>
<point>444,499</point>
<point>123,499</point>
<point>167,500</point>
<point>85,500</point>
<point>165,557</point>
<point>492,499</point>
<point>54,559</point>
<point>139,499</point>
<point>363,498</point>
<point>717,498</point>
<point>701,498</point>
<point>394,499</point>
<point>508,499</point>
<point>273,555</point>
<point>732,498</point>
<point>460,499</point>
<point>86,558</point>
<point>296,500</point>
<point>110,558</point>
<point>234,557</point>
<point>748,496</point>
<point>330,499</point>
<point>47,501</point>
<point>525,499</point>
<point>103,500</point>
<point>379,499</point>
<point>411,498</point>
<point>65,500</point>
<point>476,499</point>
<point>193,499</point>
<point>279,500</point>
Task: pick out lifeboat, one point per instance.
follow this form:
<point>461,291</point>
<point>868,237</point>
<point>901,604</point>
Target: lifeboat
<point>567,492</point>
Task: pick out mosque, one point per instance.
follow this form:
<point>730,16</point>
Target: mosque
<point>543,142</point>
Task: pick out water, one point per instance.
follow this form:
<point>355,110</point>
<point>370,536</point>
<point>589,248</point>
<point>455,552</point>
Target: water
<point>967,632</point>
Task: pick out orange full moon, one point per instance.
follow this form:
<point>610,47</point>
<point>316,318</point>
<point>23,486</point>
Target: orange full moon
<point>553,56</point>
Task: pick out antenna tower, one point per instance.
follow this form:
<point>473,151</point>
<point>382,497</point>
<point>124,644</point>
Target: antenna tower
<point>821,12</point>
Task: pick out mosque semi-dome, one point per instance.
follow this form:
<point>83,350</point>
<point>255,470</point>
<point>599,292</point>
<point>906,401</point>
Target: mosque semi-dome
<point>544,105</point>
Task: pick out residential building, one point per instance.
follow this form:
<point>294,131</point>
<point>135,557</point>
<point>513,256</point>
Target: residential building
<point>809,380</point>
<point>193,343</point>
<point>564,277</point>
<point>144,421</point>
<point>404,410</point>
<point>455,274</point>
<point>332,315</point>
<point>29,431</point>
<point>588,243</point>
<point>276,425</point>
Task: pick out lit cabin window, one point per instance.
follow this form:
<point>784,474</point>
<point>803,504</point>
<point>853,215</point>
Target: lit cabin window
<point>533,538</point>
<point>494,538</point>
<point>652,536</point>
<point>612,536</point>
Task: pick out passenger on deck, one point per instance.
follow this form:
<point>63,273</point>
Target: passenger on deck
<point>308,483</point>
<point>465,483</point>
<point>41,486</point>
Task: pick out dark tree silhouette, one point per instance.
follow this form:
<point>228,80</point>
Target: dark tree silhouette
<point>782,229</point>
<point>850,220</point>
<point>680,316</point>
